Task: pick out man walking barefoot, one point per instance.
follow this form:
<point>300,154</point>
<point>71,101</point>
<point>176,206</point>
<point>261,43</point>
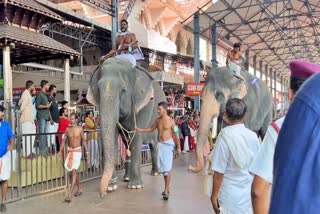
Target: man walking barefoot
<point>74,135</point>
<point>165,126</point>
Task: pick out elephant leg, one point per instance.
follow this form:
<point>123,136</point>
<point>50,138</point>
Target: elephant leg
<point>154,158</point>
<point>123,148</point>
<point>266,122</point>
<point>135,164</point>
<point>126,177</point>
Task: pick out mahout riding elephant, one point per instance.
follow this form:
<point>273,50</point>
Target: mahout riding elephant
<point>222,84</point>
<point>127,97</point>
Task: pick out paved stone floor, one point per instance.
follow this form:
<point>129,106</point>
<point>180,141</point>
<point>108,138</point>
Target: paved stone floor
<point>186,197</point>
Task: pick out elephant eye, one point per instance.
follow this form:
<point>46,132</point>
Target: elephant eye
<point>220,96</point>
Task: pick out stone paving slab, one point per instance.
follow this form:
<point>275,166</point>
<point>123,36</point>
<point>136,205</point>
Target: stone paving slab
<point>186,197</point>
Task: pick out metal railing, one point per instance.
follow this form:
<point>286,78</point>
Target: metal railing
<point>34,172</point>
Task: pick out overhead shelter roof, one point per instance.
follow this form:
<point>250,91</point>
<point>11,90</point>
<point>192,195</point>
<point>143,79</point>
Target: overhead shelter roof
<point>73,16</point>
<point>32,5</point>
<point>31,46</point>
<point>276,31</point>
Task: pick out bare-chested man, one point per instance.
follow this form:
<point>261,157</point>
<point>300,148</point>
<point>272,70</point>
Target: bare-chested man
<point>165,126</point>
<point>74,135</point>
<point>234,59</point>
<point>126,45</point>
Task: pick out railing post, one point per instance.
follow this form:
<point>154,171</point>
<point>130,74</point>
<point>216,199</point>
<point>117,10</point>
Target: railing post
<point>18,148</point>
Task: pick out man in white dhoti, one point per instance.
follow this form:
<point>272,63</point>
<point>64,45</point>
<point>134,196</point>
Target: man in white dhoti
<point>231,158</point>
<point>126,47</point>
<point>74,135</point>
<point>6,143</point>
<point>27,120</point>
<point>165,126</point>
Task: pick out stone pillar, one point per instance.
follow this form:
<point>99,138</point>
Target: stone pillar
<point>269,73</point>
<point>282,94</point>
<point>270,80</point>
<point>287,85</point>
<point>246,64</point>
<point>7,85</point>
<point>266,74</point>
<point>115,21</point>
<point>255,65</point>
<point>196,33</point>
<point>214,45</point>
<point>67,80</point>
<point>260,68</point>
<point>275,91</point>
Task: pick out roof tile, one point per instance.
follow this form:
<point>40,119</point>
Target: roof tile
<point>30,38</point>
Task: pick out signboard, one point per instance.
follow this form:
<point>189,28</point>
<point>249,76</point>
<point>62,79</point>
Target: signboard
<point>194,89</point>
<point>183,69</point>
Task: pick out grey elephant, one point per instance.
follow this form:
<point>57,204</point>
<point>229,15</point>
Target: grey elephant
<point>127,97</point>
<point>222,84</point>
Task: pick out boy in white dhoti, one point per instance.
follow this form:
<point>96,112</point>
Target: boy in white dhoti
<point>6,136</point>
<point>165,126</point>
<point>74,135</point>
<point>232,156</point>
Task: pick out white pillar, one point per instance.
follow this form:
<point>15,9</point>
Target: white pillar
<point>67,80</point>
<point>7,82</point>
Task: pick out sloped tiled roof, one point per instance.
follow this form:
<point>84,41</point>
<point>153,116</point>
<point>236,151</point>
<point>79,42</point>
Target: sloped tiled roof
<point>32,5</point>
<point>33,39</point>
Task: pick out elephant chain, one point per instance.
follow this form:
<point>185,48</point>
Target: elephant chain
<point>125,131</point>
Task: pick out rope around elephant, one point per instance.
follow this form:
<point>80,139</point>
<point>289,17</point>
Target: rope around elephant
<point>124,130</point>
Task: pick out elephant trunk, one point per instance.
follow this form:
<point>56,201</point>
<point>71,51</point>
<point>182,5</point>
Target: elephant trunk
<point>209,109</point>
<point>109,112</point>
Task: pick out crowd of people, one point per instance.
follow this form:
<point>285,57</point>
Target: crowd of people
<point>188,126</point>
<point>41,113</point>
<point>175,97</point>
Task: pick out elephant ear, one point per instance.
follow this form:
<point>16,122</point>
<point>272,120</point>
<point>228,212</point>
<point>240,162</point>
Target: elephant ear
<point>93,91</point>
<point>239,86</point>
<point>144,91</point>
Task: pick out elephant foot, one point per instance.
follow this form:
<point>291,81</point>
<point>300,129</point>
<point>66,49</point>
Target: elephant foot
<point>113,184</point>
<point>194,169</point>
<point>135,185</point>
<point>155,173</point>
<point>112,187</point>
<point>102,194</point>
<point>126,178</point>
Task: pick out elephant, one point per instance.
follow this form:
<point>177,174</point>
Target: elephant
<point>127,97</point>
<point>222,84</point>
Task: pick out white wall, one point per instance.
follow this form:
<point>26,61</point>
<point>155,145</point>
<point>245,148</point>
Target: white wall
<point>160,43</point>
<point>148,38</point>
<point>136,27</point>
